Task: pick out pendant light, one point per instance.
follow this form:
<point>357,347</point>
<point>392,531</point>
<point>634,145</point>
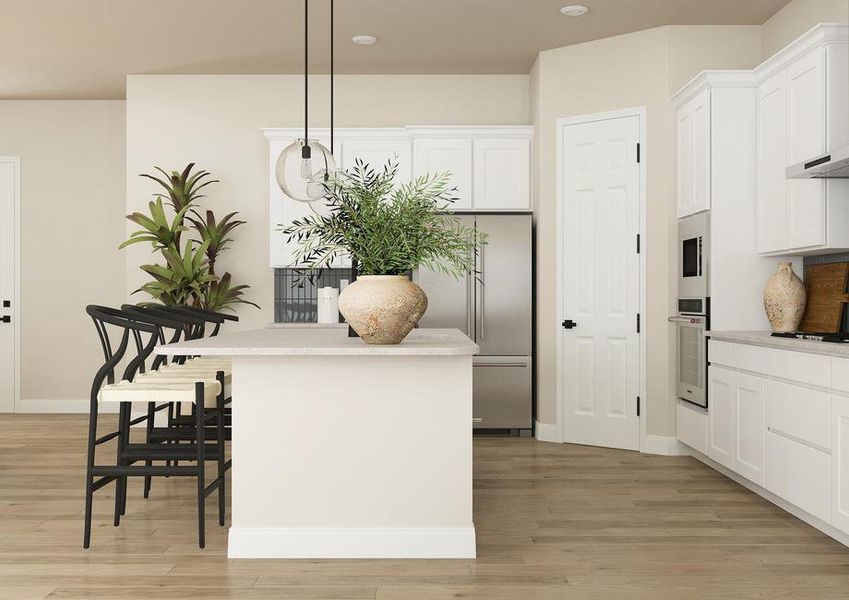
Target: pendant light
<point>305,166</point>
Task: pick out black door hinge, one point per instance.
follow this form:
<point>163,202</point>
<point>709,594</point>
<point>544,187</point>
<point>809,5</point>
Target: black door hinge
<point>638,322</point>
<point>638,243</point>
<point>638,151</point>
<point>638,406</point>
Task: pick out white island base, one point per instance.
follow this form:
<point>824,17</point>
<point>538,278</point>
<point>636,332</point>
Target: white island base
<point>343,450</point>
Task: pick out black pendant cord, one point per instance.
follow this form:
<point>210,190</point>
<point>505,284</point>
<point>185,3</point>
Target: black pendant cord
<point>332,147</point>
<point>306,76</point>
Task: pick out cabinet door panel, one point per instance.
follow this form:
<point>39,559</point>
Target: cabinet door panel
<point>684,165</point>
<point>772,164</point>
<point>840,463</point>
<point>376,153</point>
<point>701,152</point>
<point>452,155</point>
<point>797,473</point>
<point>749,427</point>
<point>502,174</point>
<point>721,413</point>
<point>806,140</point>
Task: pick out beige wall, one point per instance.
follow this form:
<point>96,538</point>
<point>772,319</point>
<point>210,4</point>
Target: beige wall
<point>72,207</point>
<point>639,69</point>
<point>216,120</point>
<point>797,17</point>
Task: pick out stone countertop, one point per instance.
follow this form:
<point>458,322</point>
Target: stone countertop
<point>318,341</point>
<point>307,326</point>
<point>763,338</point>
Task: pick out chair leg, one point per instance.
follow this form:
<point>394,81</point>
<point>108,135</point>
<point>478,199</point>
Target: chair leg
<point>120,481</point>
<point>220,421</point>
<point>128,415</point>
<point>89,481</point>
<point>150,416</point>
<point>201,428</point>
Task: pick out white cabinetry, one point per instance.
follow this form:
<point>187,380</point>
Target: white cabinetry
<point>502,174</point>
<point>780,419</point>
<point>693,154</point>
<point>489,166</point>
<point>454,155</point>
<point>840,463</point>
<point>721,416</point>
<point>803,92</point>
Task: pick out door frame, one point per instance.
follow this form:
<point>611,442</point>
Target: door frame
<point>560,200</point>
<point>15,161</point>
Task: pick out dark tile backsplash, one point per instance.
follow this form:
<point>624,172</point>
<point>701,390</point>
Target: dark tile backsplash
<point>295,300</point>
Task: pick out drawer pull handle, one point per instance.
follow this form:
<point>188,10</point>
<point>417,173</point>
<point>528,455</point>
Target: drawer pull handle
<point>800,441</point>
<point>477,419</point>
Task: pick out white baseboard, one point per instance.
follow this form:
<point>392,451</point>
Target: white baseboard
<point>546,432</point>
<point>797,512</point>
<point>58,406</point>
<point>351,542</point>
<point>662,444</point>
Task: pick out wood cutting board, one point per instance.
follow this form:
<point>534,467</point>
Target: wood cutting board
<point>826,288</point>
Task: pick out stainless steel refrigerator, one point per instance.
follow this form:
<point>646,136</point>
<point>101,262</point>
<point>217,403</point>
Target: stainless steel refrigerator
<point>495,309</point>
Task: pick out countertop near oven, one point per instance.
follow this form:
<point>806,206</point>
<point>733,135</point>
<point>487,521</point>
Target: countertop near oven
<point>763,338</point>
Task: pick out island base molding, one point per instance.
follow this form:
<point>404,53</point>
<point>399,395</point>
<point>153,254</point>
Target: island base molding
<point>351,542</point>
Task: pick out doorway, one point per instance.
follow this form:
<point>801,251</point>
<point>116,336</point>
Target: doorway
<point>600,182</point>
<point>9,282</point>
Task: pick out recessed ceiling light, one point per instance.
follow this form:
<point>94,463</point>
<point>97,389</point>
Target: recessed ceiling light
<point>364,40</point>
<point>574,10</point>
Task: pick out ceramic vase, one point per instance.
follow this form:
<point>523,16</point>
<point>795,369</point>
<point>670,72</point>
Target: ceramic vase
<point>382,309</point>
<point>784,299</point>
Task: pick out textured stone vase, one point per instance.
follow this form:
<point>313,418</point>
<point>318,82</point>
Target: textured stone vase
<point>784,299</point>
<point>382,309</point>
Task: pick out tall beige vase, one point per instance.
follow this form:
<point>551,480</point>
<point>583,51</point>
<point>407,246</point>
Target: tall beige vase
<point>382,309</point>
<point>784,299</point>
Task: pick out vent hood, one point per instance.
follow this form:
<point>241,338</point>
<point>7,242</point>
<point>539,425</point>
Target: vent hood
<point>834,165</point>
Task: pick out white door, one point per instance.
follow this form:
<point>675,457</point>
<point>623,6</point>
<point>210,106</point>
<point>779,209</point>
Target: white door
<point>438,155</point>
<point>502,174</point>
<point>601,282</point>
<point>840,463</point>
<point>9,190</point>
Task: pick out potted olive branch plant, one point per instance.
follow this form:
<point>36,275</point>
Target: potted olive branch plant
<point>388,230</point>
<point>188,275</point>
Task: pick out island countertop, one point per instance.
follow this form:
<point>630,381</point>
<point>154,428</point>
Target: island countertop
<point>271,341</point>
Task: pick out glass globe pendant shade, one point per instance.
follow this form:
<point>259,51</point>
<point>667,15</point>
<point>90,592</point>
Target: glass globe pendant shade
<point>303,176</point>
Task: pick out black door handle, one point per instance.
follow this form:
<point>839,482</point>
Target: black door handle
<point>6,319</point>
<point>569,324</point>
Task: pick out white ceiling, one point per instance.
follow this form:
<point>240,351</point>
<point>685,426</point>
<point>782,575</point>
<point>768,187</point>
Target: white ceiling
<point>85,48</point>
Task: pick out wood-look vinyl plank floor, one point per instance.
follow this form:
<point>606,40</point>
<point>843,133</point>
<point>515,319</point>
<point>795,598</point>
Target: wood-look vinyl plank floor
<point>553,521</point>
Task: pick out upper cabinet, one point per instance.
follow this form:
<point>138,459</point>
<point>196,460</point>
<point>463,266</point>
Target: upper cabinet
<point>803,95</point>
<point>693,154</point>
<point>502,174</point>
<point>490,169</point>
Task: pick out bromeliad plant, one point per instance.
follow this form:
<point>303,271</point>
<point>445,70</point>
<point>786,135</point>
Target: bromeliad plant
<point>188,275</point>
<point>387,229</point>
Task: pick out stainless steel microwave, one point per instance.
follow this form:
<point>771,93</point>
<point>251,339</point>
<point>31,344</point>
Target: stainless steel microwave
<point>693,256</point>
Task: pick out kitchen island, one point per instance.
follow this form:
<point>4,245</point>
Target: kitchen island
<point>345,450</point>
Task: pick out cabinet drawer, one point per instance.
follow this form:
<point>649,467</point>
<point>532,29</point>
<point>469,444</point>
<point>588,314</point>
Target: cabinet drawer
<point>799,412</point>
<point>840,374</point>
<point>798,474</point>
<point>692,423</point>
<point>797,366</point>
<point>738,356</point>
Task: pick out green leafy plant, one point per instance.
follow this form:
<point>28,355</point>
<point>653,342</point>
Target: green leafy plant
<point>215,234</point>
<point>188,275</point>
<point>388,229</point>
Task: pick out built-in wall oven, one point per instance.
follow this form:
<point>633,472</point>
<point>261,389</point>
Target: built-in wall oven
<point>693,316</point>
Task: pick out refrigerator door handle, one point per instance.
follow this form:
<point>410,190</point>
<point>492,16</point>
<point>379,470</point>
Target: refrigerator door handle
<point>469,310</point>
<point>482,306</point>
